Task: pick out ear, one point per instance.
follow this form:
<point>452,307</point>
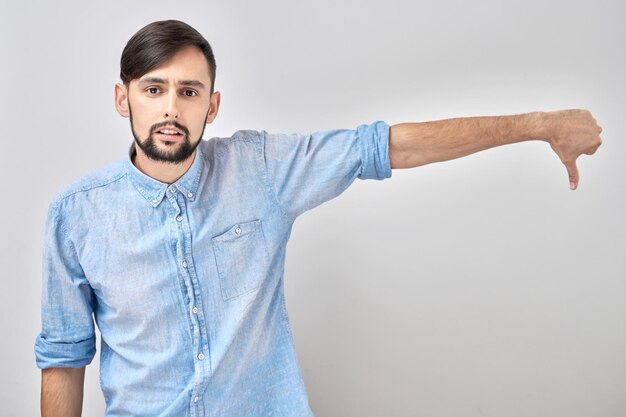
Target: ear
<point>215,106</point>
<point>121,99</point>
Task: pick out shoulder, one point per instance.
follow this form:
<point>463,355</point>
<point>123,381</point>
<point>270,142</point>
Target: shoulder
<point>241,141</point>
<point>103,177</point>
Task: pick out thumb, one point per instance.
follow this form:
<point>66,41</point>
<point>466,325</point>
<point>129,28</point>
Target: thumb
<point>572,172</point>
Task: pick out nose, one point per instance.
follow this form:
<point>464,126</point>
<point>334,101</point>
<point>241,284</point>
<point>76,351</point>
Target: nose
<point>171,109</point>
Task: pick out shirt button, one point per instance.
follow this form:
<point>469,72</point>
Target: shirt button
<point>172,189</point>
<point>179,218</point>
<point>194,310</point>
<point>195,399</point>
<point>201,356</point>
<point>155,201</point>
<point>190,195</point>
<point>184,264</point>
<point>238,230</point>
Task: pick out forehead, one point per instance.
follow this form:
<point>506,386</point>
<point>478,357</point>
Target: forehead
<point>187,63</point>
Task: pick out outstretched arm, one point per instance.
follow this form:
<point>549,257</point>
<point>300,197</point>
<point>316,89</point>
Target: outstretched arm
<point>570,133</point>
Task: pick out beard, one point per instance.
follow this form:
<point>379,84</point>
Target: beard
<point>179,152</point>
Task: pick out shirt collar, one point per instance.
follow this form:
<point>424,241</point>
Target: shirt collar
<point>153,190</point>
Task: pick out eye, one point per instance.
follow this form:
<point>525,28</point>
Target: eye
<point>190,91</point>
<point>151,88</point>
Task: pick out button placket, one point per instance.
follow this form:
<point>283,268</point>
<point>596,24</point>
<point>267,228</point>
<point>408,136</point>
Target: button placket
<point>200,344</point>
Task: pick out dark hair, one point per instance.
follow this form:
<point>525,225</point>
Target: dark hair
<point>155,43</point>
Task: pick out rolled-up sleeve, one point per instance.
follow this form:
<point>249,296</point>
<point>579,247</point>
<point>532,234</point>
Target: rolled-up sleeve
<point>67,337</point>
<point>304,171</point>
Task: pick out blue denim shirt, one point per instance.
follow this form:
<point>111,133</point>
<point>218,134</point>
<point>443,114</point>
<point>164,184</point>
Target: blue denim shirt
<point>185,280</point>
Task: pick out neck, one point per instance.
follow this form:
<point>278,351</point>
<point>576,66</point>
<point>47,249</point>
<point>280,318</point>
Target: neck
<point>160,171</point>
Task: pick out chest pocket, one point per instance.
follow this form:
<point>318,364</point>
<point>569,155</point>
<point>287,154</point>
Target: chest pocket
<point>242,258</point>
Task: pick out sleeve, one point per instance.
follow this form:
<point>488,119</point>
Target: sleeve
<point>305,171</point>
<point>67,337</point>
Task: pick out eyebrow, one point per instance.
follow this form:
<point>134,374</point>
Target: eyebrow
<point>157,80</point>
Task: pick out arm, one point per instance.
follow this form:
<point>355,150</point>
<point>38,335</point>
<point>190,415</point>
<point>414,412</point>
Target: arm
<point>67,340</point>
<point>62,392</point>
<point>569,132</point>
<point>306,170</point>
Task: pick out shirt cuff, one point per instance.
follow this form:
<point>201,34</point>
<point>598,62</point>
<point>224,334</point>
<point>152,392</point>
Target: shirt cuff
<point>374,140</point>
<point>64,355</point>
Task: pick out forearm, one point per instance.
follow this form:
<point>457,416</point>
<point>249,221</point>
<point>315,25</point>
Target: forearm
<point>62,392</point>
<point>415,144</point>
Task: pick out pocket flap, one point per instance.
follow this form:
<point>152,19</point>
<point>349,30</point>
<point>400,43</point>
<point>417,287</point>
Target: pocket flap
<point>238,230</point>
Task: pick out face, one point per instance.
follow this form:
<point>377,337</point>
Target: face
<point>170,106</point>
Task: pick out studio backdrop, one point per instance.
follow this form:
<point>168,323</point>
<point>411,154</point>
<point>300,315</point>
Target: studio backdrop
<point>480,286</point>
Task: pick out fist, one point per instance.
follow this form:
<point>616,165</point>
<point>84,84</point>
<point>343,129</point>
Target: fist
<point>570,134</point>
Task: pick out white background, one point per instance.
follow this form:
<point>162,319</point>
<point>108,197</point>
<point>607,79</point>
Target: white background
<point>481,286</point>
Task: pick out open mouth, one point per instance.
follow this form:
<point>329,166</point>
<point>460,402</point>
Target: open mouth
<point>168,135</point>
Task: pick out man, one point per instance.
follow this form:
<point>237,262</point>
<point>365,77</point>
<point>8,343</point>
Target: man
<point>177,251</point>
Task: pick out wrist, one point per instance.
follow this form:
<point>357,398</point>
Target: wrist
<point>538,126</point>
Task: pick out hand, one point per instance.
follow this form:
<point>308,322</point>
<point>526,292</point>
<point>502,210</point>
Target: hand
<point>570,134</point>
